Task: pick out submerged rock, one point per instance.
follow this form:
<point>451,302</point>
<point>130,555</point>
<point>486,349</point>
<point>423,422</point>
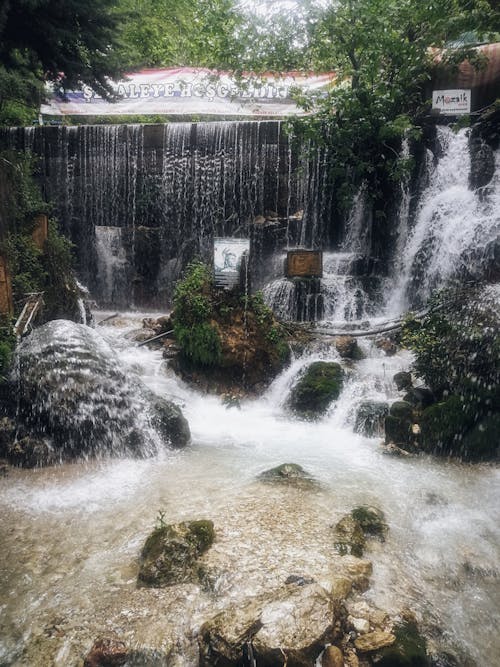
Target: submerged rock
<point>407,650</point>
<point>349,537</point>
<point>286,473</point>
<point>285,627</point>
<point>106,652</point>
<point>332,657</point>
<point>170,553</point>
<point>73,393</point>
<point>351,531</point>
<point>320,385</point>
<point>371,520</point>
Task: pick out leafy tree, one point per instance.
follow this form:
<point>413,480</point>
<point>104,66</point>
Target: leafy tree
<point>68,42</point>
<point>178,32</point>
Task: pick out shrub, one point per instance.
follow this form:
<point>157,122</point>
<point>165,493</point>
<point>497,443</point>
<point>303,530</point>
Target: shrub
<point>193,310</point>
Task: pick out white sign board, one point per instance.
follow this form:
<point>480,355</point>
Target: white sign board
<point>451,102</point>
<point>192,91</point>
<point>228,254</point>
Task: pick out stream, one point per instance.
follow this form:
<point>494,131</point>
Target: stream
<point>71,534</point>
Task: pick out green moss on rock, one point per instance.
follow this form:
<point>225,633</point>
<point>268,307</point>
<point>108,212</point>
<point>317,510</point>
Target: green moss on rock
<point>443,426</point>
<point>286,473</point>
<point>371,520</point>
<point>320,385</point>
<point>170,553</point>
<point>409,649</point>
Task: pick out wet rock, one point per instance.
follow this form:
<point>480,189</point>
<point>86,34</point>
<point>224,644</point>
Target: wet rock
<point>349,537</point>
<point>140,335</point>
<point>74,394</point>
<point>374,641</point>
<point>387,345</point>
<point>29,452</point>
<point>285,627</point>
<point>7,433</point>
<point>360,625</point>
<point>398,424</point>
<point>482,167</point>
<point>393,450</point>
<point>371,519</point>
<point>316,389</point>
<point>370,418</point>
<point>348,348</point>
<point>106,653</point>
<point>341,587</point>
<point>419,397</point>
<point>168,420</point>
<point>298,580</point>
<point>357,570</point>
<point>286,473</point>
<point>4,468</point>
<point>170,553</point>
<point>407,650</point>
<point>332,657</point>
<point>402,380</point>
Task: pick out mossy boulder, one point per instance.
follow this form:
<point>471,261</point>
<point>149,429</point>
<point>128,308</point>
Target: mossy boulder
<point>316,389</point>
<point>398,424</point>
<point>409,649</point>
<point>371,519</point>
<point>168,420</point>
<point>286,473</point>
<point>353,529</point>
<point>419,397</point>
<point>171,552</point>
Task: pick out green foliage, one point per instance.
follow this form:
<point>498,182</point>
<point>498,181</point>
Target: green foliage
<point>177,32</point>
<point>7,345</point>
<point>193,312</point>
<point>457,346</point>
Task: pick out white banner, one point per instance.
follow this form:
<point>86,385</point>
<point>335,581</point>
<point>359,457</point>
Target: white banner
<point>192,91</point>
<point>451,102</point>
<point>228,255</point>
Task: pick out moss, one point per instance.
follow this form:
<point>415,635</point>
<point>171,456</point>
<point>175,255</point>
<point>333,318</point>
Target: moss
<point>170,553</point>
<point>317,388</point>
<point>409,649</point>
<point>401,410</point>
<point>287,473</point>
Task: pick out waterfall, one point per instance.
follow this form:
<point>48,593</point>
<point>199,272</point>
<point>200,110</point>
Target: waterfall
<point>454,227</point>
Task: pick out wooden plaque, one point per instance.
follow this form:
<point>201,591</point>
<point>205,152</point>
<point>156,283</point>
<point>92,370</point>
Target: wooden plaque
<point>304,264</point>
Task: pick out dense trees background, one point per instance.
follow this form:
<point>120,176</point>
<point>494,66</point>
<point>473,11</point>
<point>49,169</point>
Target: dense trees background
<point>378,47</point>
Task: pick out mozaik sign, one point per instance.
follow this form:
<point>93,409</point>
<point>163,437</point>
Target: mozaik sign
<point>189,91</point>
<point>451,102</point>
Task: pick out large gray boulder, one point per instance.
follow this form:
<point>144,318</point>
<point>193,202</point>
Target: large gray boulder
<point>73,392</point>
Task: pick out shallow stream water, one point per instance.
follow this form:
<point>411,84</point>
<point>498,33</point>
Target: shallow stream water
<point>71,535</point>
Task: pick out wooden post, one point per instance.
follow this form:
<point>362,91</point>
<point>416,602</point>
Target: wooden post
<point>40,231</point>
<point>6,304</point>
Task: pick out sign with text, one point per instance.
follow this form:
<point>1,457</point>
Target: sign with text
<point>228,256</point>
<point>192,91</point>
<point>451,102</point>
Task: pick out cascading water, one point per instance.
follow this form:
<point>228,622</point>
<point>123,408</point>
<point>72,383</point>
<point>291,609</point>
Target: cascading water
<point>454,228</point>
